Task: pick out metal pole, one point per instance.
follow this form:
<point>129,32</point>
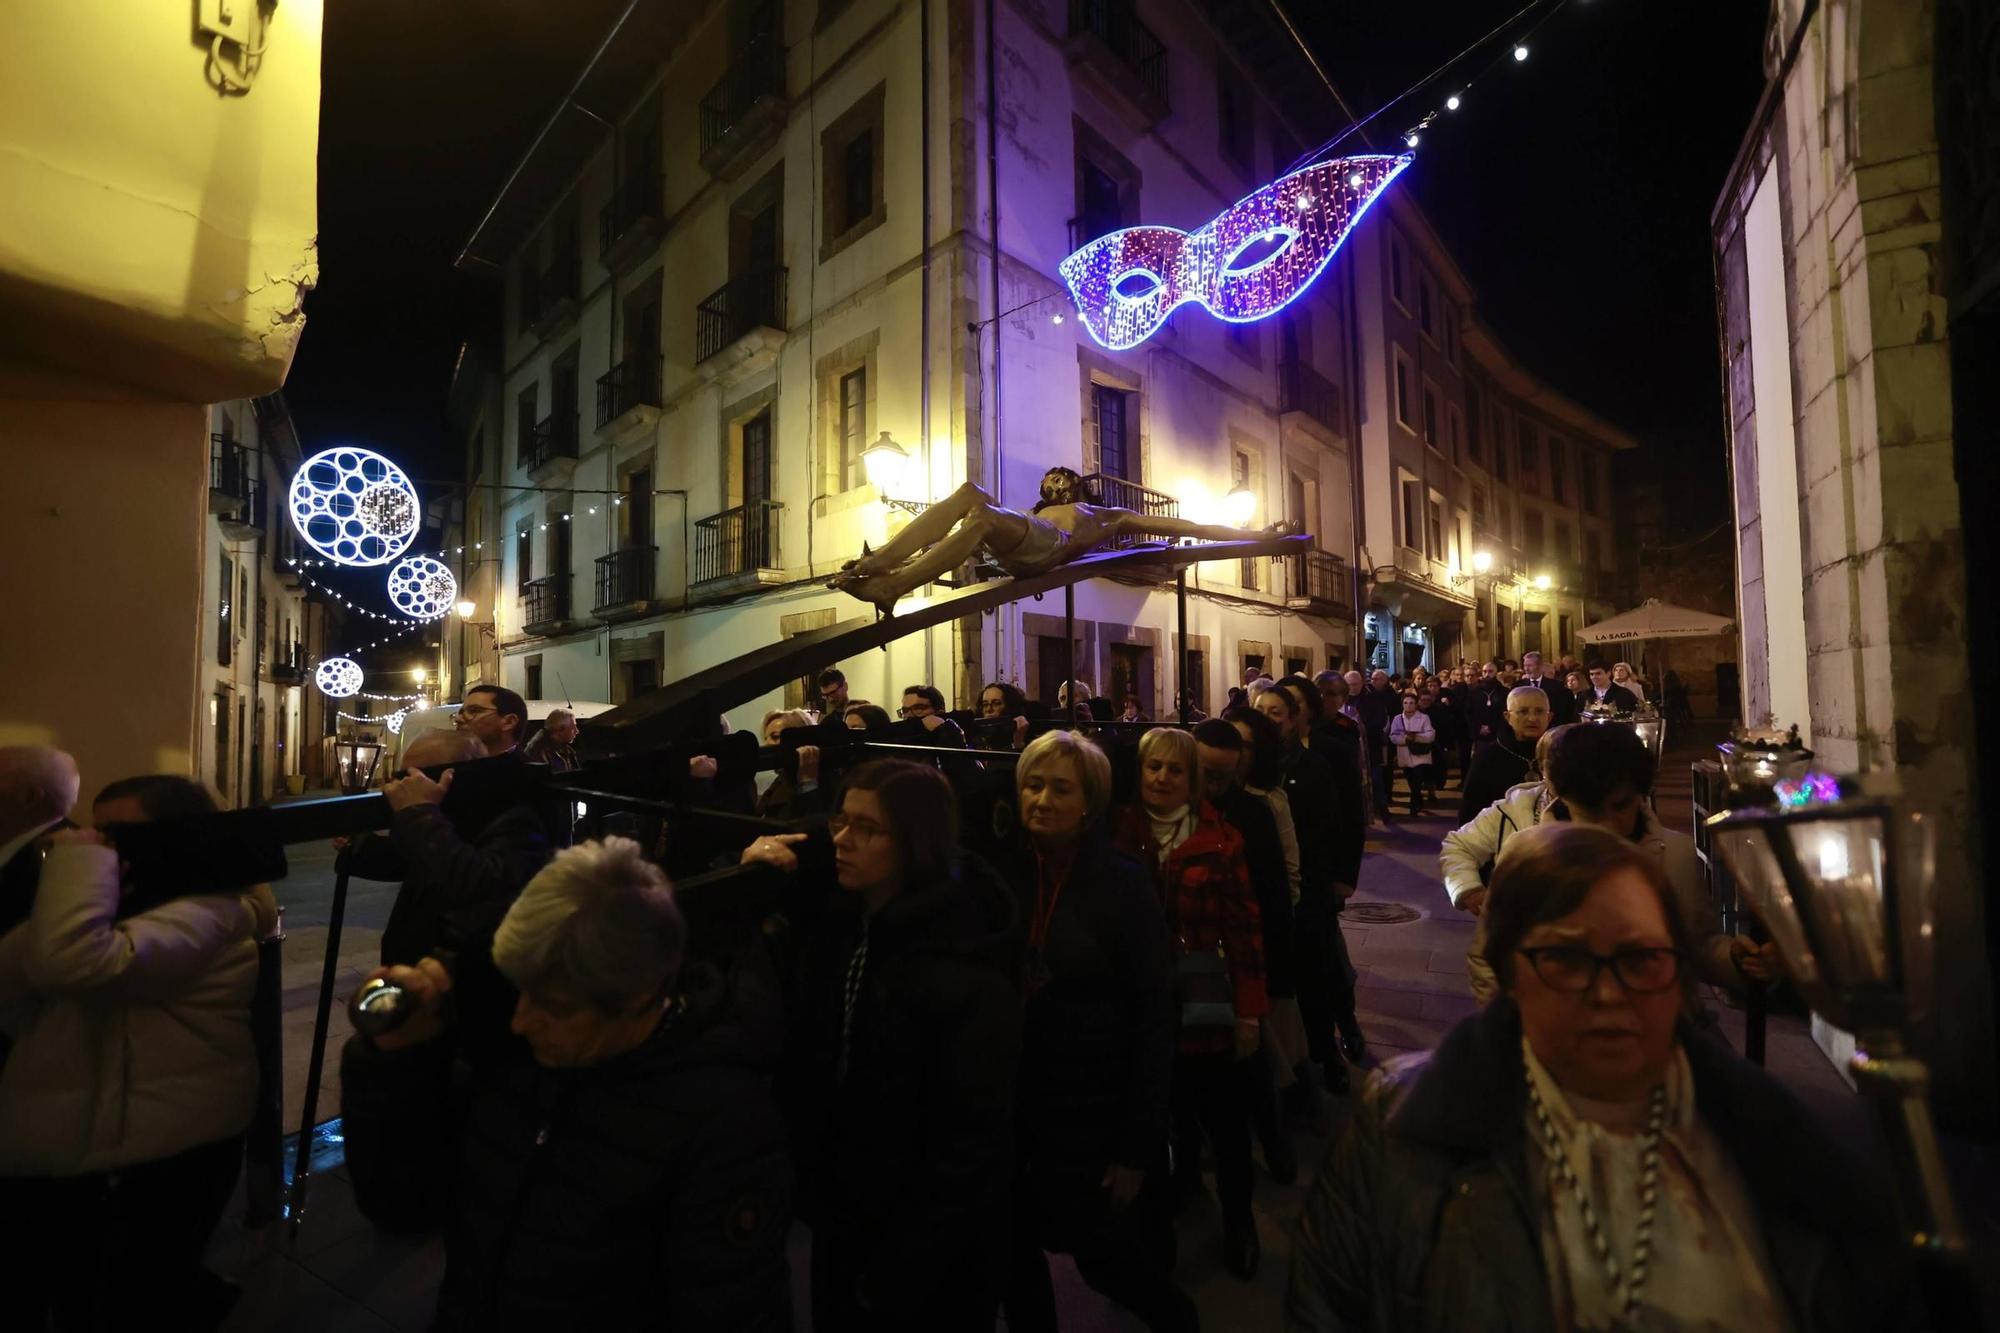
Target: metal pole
<point>1181,667</point>
<point>302,1161</point>
<point>1069,652</point>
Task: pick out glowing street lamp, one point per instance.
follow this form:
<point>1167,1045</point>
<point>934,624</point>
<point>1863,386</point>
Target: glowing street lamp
<point>1482,561</point>
<point>467,608</point>
<point>1239,507</point>
<point>1542,582</point>
<point>885,462</point>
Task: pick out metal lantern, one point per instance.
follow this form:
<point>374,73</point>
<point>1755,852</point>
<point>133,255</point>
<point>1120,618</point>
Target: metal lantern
<point>1652,729</point>
<point>354,759</point>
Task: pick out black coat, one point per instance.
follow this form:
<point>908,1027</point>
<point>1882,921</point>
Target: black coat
<point>1422,1220</point>
<point>1563,708</point>
<point>1495,769</point>
<point>652,1190</point>
<point>1264,855</point>
<point>1486,707</point>
<point>909,1147</point>
<point>1615,694</point>
<point>1098,1027</point>
<point>1326,818</point>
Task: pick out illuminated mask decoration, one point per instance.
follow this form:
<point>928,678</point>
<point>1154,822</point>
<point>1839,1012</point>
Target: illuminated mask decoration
<point>354,506</point>
<point>338,678</point>
<point>422,588</point>
<point>1250,261</point>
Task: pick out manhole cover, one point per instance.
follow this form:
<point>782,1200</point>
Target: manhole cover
<point>1379,914</point>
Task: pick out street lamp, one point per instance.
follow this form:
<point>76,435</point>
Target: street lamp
<point>354,760</point>
<point>1239,507</point>
<point>885,462</point>
<point>467,608</point>
<point>420,675</point>
<point>1840,874</point>
<point>1482,561</point>
<point>1542,582</point>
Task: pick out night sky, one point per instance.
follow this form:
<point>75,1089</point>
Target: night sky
<point>1574,189</point>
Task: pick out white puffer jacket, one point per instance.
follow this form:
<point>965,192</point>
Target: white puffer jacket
<point>131,1038</point>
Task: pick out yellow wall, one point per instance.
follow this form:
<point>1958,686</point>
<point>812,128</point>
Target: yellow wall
<point>100,580</point>
<point>152,231</point>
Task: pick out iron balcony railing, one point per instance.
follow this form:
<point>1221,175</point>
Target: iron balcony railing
<point>635,200</point>
<point>1303,389</point>
<point>752,299</point>
<point>625,576</point>
<point>553,437</point>
<point>1120,493</point>
<point>1319,577</point>
<point>288,664</point>
<point>760,74</point>
<point>737,541</point>
<point>545,602</point>
<point>1116,24</point>
<point>633,382</point>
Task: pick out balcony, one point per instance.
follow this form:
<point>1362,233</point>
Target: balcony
<point>552,441</point>
<point>1316,398</point>
<point>1119,493</point>
<point>545,604</point>
<point>625,583</point>
<point>745,317</point>
<point>231,474</point>
<point>744,113</point>
<point>631,225</point>
<point>556,293</point>
<point>1316,583</point>
<point>738,545</point>
<point>288,667</point>
<point>1107,38</point>
<point>628,396</point>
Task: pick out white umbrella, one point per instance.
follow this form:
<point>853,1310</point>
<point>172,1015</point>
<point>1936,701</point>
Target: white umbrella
<point>1655,619</point>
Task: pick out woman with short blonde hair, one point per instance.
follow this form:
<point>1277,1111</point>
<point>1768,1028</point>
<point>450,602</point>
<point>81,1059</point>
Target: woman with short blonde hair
<point>1093,769</point>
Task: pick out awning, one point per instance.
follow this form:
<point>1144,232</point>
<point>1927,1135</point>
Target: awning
<point>1655,619</point>
<point>1413,599</point>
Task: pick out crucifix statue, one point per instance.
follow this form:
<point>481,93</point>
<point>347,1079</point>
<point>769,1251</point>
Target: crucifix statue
<point>1063,525</point>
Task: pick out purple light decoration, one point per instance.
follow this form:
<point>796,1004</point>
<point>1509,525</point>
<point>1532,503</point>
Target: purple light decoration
<point>1127,282</point>
<point>1812,789</point>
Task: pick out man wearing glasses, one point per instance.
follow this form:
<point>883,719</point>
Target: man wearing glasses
<point>494,714</point>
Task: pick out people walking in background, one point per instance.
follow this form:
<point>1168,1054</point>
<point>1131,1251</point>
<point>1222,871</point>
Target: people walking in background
<point>1750,1214</point>
<point>131,1080</point>
<point>1376,705</point>
<point>555,743</point>
<point>1213,924</point>
<point>1097,1049</point>
<point>1414,738</point>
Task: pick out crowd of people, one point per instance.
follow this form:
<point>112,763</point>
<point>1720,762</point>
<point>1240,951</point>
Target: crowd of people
<point>951,1064</point>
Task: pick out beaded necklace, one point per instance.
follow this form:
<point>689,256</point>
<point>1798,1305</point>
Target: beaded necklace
<point>1625,1286</point>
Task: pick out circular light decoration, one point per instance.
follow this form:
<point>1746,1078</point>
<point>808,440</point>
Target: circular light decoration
<point>422,588</point>
<point>338,677</point>
<point>354,506</point>
<point>395,721</point>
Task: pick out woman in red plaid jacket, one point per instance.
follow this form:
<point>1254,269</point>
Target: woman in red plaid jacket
<point>1197,859</point>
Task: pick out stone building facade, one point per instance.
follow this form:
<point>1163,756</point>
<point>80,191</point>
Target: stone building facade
<point>1851,532</point>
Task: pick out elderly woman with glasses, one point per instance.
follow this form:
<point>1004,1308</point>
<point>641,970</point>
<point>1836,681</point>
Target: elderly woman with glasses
<point>905,1033</point>
<point>1580,1156</point>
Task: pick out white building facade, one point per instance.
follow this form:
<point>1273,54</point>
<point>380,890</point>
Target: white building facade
<point>750,246</point>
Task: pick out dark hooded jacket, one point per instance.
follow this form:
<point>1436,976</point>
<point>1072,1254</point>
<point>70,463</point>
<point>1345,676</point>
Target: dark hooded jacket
<point>1503,764</point>
<point>652,1190</point>
<point>904,1125</point>
<point>1423,1217</point>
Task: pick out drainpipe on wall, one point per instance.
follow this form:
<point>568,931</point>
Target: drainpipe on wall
<point>1359,642</point>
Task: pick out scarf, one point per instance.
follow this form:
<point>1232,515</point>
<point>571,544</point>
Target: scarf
<point>1170,830</point>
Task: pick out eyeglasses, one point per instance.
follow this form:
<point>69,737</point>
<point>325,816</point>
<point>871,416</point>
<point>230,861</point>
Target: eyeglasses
<point>918,710</point>
<point>1574,971</point>
<point>475,710</point>
<point>864,830</point>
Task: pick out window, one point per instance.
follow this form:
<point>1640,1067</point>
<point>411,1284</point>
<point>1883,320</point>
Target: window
<point>1593,553</point>
<point>853,201</point>
<point>1558,471</point>
<point>1499,446</point>
<point>225,637</point>
<point>1454,433</point>
<point>1236,120</point>
<point>851,426</point>
<point>1404,413</point>
<point>1111,417</point>
<point>1413,511</point>
<point>1449,332</point>
<point>1107,187</point>
<point>635,508</point>
<point>1472,442</point>
<point>1434,526</point>
<point>1533,540</point>
<point>1563,643</point>
<point>1424,303</point>
<point>524,555</point>
<point>218,709</point>
<point>1530,459</point>
<point>1478,509</point>
<point>1565,541</point>
<point>1586,482</point>
<point>526,405</point>
<point>1396,272</point>
<point>1431,416</point>
<point>531,681</point>
<point>1241,478</point>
